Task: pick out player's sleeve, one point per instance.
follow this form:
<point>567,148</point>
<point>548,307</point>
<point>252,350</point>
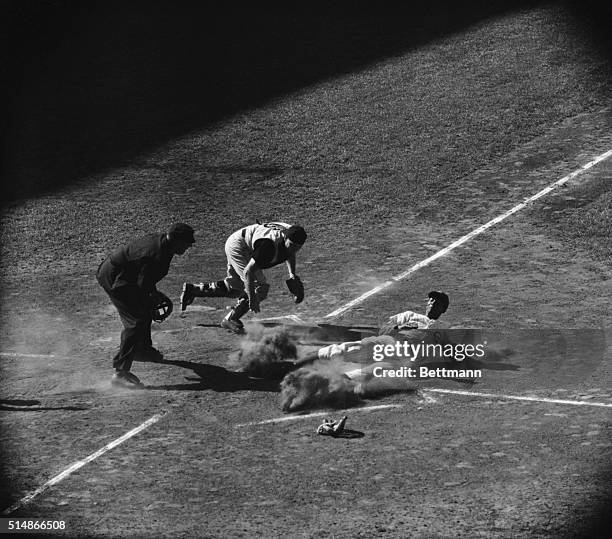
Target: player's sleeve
<point>263,252</point>
<point>402,319</point>
<point>151,272</point>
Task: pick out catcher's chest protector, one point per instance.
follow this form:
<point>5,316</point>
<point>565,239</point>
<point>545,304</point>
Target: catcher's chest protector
<point>269,231</point>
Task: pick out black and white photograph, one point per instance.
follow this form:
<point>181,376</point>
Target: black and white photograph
<point>324,270</point>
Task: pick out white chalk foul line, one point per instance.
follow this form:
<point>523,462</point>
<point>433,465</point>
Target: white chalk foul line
<point>430,400</point>
<point>18,354</point>
<point>316,414</point>
<point>74,467</point>
<point>294,317</point>
<point>469,236</point>
<point>519,398</point>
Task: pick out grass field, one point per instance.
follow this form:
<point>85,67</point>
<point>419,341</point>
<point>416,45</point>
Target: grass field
<point>395,141</point>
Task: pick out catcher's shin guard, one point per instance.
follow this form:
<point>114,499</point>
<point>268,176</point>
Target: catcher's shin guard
<point>232,320</point>
<point>190,291</point>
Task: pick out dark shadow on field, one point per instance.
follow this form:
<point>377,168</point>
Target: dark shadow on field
<point>217,379</point>
<point>596,512</point>
<point>17,405</point>
<point>546,358</point>
<point>211,325</point>
<point>92,84</point>
<point>348,434</point>
<point>19,402</point>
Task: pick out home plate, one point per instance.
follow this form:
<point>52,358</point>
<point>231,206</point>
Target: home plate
<point>286,318</point>
<point>198,308</point>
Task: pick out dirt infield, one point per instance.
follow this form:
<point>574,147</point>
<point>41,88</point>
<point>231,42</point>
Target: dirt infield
<point>385,161</point>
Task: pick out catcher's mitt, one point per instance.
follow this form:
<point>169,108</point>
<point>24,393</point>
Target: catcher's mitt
<point>161,306</point>
<point>296,287</point>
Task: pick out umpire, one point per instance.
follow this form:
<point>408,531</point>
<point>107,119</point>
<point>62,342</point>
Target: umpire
<point>129,275</point>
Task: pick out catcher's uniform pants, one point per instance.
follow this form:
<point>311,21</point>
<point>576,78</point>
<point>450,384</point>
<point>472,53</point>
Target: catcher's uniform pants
<point>136,321</point>
<point>238,255</point>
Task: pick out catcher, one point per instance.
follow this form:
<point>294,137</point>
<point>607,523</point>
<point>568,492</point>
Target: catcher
<point>249,251</point>
<point>129,276</point>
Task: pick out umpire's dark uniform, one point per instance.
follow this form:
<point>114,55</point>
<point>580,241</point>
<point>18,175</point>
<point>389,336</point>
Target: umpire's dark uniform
<point>128,275</point>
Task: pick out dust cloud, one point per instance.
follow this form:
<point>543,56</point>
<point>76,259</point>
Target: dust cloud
<point>321,383</point>
<point>266,352</point>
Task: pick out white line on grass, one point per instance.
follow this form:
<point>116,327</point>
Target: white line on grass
<point>468,237</point>
<point>294,317</point>
<point>430,400</point>
<point>520,398</point>
<point>316,414</point>
<point>74,467</point>
<point>18,354</point>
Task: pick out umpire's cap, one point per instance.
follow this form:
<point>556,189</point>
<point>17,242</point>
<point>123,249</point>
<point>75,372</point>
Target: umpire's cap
<point>296,234</point>
<point>181,231</point>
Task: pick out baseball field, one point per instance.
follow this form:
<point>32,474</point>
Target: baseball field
<point>462,147</point>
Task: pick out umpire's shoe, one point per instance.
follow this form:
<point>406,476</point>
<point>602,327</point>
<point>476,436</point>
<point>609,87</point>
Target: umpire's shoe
<point>126,379</point>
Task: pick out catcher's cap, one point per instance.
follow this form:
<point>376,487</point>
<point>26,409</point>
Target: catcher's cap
<point>181,231</point>
<point>296,234</point>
